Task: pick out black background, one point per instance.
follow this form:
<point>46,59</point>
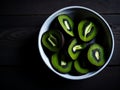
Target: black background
<point>21,66</point>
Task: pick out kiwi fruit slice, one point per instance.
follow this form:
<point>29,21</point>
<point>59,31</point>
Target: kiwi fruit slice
<point>67,24</point>
<point>80,67</point>
<point>87,30</point>
<point>96,55</point>
<point>74,49</point>
<point>60,63</point>
<point>53,40</point>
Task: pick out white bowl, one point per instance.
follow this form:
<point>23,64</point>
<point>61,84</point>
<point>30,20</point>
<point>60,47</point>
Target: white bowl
<point>83,12</point>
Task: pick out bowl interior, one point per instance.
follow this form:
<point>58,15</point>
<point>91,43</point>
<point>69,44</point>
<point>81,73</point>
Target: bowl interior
<point>105,37</point>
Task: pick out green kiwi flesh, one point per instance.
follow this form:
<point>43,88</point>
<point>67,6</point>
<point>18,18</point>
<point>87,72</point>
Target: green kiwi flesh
<point>53,40</point>
<point>74,49</point>
<point>79,68</point>
<point>96,55</point>
<point>60,64</point>
<point>87,30</point>
<point>67,24</point>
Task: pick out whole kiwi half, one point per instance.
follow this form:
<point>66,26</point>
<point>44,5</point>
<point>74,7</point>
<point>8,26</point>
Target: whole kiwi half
<point>67,24</point>
<point>53,40</point>
<point>96,55</point>
<point>60,63</point>
<point>75,48</point>
<point>87,30</point>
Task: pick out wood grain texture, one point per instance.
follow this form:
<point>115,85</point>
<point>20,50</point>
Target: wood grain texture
<point>21,66</point>
<point>22,21</point>
<point>21,7</point>
<point>42,79</point>
<point>17,45</point>
<point>38,20</point>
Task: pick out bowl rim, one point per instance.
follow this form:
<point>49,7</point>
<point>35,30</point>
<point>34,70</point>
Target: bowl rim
<point>67,76</point>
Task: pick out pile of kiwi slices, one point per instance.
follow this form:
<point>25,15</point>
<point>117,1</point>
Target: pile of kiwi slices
<point>71,46</point>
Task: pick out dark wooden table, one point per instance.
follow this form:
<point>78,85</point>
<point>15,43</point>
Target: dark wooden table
<point>21,66</point>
